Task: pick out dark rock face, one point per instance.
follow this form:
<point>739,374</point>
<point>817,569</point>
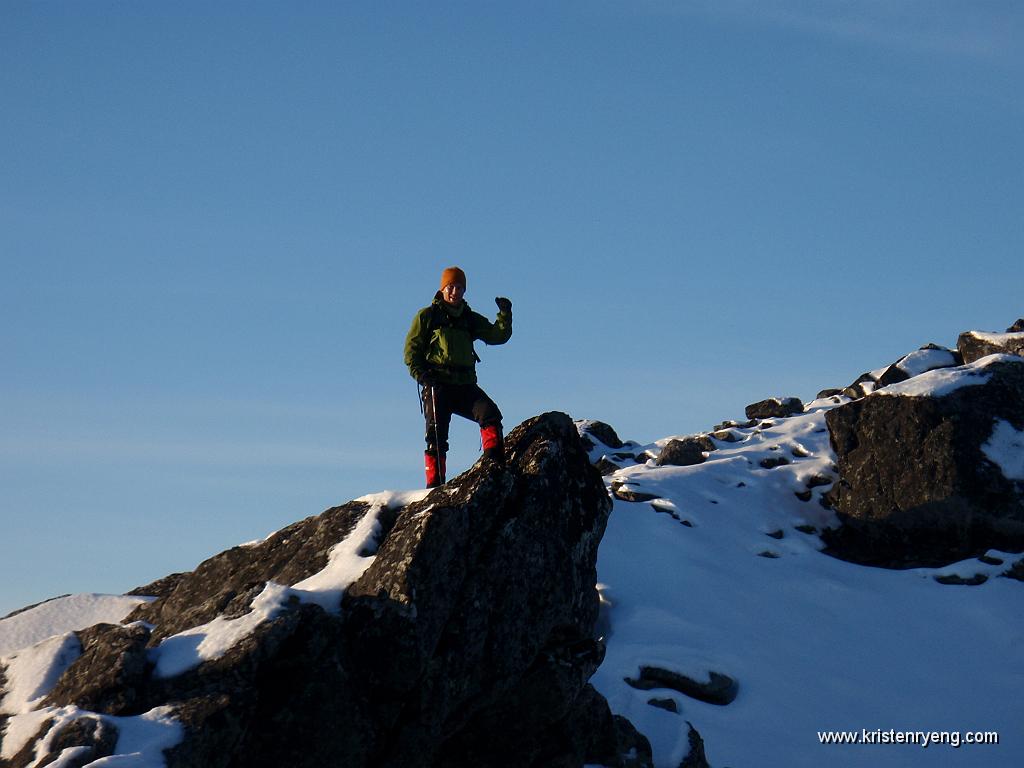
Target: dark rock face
<point>471,635</point>
<point>695,758</point>
<point>774,408</point>
<point>110,672</point>
<point>225,584</point>
<point>974,345</point>
<point>916,488</point>
<point>1017,327</point>
<point>686,452</point>
<point>159,588</point>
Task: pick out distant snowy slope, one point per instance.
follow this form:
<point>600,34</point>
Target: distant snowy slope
<point>61,615</point>
<point>722,572</point>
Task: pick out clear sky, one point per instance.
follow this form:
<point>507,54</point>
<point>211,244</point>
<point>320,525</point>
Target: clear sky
<point>218,218</point>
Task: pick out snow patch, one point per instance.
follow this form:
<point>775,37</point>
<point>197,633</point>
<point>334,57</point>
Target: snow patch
<point>924,360</point>
<point>187,649</point>
<point>1005,449</point>
<point>64,614</point>
<point>941,382</point>
<point>394,499</point>
<point>141,739</point>
<point>20,730</point>
<point>31,674</point>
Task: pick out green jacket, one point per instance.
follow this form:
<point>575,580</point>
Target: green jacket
<point>440,341</point>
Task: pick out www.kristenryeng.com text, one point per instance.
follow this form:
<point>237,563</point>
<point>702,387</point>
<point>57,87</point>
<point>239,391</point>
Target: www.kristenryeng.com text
<point>925,739</point>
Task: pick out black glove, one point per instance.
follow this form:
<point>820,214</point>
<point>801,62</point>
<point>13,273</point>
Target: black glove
<point>504,305</point>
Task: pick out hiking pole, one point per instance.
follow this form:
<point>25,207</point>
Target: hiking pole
<point>437,439</point>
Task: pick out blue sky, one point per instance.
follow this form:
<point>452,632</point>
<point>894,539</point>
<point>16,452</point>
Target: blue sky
<point>217,220</point>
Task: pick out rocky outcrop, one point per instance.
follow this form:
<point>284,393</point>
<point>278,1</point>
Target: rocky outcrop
<point>607,452</point>
<point>774,408</point>
<point>974,345</point>
<point>597,430</point>
<point>87,739</point>
<point>921,483</point>
<point>110,674</point>
<point>719,689</point>
<point>686,452</point>
<point>928,358</point>
<point>468,640</point>
<point>696,757</point>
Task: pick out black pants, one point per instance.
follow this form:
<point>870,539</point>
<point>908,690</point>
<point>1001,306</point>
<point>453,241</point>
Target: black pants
<point>465,400</point>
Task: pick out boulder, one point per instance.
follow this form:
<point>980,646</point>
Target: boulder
<point>606,466</point>
<point>668,704</point>
<point>685,452</point>
<point>774,408</point>
<point>599,431</point>
<point>626,492</point>
<point>471,633</point>
<point>974,345</point>
<point>720,689</point>
<point>928,358</point>
<point>730,423</point>
<point>1017,327</point>
<point>862,386</point>
<point>727,435</point>
<point>928,474</point>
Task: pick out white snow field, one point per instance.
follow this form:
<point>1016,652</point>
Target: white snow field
<point>816,644</point>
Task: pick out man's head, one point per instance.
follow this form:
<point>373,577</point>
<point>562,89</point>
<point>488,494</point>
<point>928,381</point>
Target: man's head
<point>453,285</point>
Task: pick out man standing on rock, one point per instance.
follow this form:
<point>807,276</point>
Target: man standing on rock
<point>440,356</point>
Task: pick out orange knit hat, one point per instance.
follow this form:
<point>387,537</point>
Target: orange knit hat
<point>453,275</point>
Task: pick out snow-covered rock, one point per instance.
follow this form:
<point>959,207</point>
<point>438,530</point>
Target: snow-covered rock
<point>447,628</point>
<point>918,485</point>
<point>974,345</point>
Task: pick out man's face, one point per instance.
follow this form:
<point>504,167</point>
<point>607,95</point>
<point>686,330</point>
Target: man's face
<point>452,293</point>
